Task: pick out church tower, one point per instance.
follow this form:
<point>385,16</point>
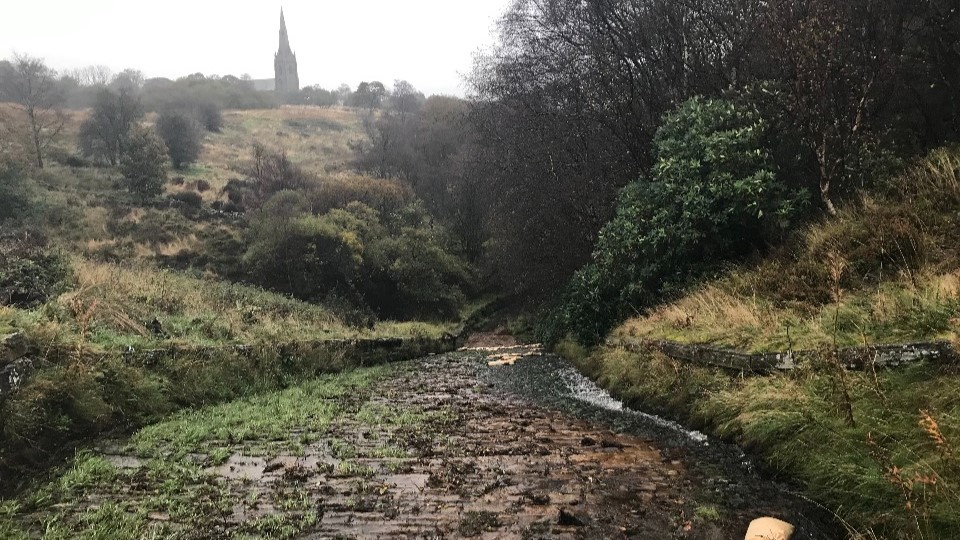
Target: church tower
<point>285,64</point>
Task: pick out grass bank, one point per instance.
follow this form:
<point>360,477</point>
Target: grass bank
<point>112,306</point>
<point>885,270</point>
<point>877,447</point>
<point>174,490</point>
<point>77,394</point>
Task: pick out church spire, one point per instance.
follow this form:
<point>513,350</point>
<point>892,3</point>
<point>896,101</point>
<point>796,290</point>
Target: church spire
<point>286,78</point>
<point>284,39</point>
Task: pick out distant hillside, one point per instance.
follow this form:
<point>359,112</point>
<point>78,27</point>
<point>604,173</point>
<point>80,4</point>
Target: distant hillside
<point>129,262</point>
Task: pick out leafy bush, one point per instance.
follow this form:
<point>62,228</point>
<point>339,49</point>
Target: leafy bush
<point>398,266</point>
<point>303,255</point>
<point>190,199</point>
<point>426,278</point>
<point>183,138</point>
<point>16,201</point>
<point>383,195</point>
<point>30,271</point>
<point>712,195</point>
<point>144,165</point>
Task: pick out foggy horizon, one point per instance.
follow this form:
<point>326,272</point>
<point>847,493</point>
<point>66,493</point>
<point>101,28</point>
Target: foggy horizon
<point>429,43</point>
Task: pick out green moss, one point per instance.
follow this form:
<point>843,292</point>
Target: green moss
<point>310,408</point>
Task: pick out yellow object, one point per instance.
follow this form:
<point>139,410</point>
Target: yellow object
<point>769,529</point>
<point>505,360</point>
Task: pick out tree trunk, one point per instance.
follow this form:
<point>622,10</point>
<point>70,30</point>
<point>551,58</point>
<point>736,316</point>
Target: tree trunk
<point>826,175</point>
<point>825,197</point>
<point>36,137</point>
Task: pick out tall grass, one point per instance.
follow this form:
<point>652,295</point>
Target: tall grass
<point>894,474</point>
<point>113,306</point>
<point>901,281</point>
<point>924,306</point>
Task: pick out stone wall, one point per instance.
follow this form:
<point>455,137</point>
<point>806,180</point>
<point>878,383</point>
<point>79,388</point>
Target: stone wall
<point>883,356</point>
<point>19,360</point>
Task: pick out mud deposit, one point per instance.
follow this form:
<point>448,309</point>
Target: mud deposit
<point>445,447</point>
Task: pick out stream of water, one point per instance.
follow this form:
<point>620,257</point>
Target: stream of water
<point>551,381</point>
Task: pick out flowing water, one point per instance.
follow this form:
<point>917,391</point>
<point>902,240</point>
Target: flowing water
<point>555,383</point>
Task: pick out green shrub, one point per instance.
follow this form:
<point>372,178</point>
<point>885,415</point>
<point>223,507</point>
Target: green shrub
<point>144,165</point>
<point>189,199</point>
<point>303,255</point>
<point>425,277</point>
<point>399,268</point>
<point>183,137</point>
<point>383,195</point>
<point>712,195</point>
<point>30,270</point>
<point>16,200</point>
<point>57,404</point>
<point>136,396</point>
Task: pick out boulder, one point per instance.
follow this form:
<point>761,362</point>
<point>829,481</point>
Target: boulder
<point>12,347</point>
<point>14,375</point>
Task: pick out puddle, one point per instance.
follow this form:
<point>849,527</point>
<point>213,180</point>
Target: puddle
<point>239,467</point>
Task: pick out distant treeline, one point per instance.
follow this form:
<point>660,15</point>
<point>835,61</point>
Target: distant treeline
<point>78,89</point>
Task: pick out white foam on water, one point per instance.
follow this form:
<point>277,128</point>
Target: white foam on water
<point>587,391</point>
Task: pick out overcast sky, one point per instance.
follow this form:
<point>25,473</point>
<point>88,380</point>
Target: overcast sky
<point>427,42</point>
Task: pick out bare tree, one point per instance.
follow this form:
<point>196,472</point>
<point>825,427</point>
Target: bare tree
<point>842,61</point>
<point>130,79</point>
<point>104,134</point>
<point>567,106</point>
<point>343,94</point>
<point>94,75</point>
<point>405,99</point>
<point>33,86</point>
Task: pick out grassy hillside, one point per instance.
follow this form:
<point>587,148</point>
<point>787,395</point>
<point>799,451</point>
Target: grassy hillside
<point>885,270</point>
<point>88,268</point>
<point>878,447</point>
<point>124,255</point>
<point>89,211</point>
<point>314,138</point>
